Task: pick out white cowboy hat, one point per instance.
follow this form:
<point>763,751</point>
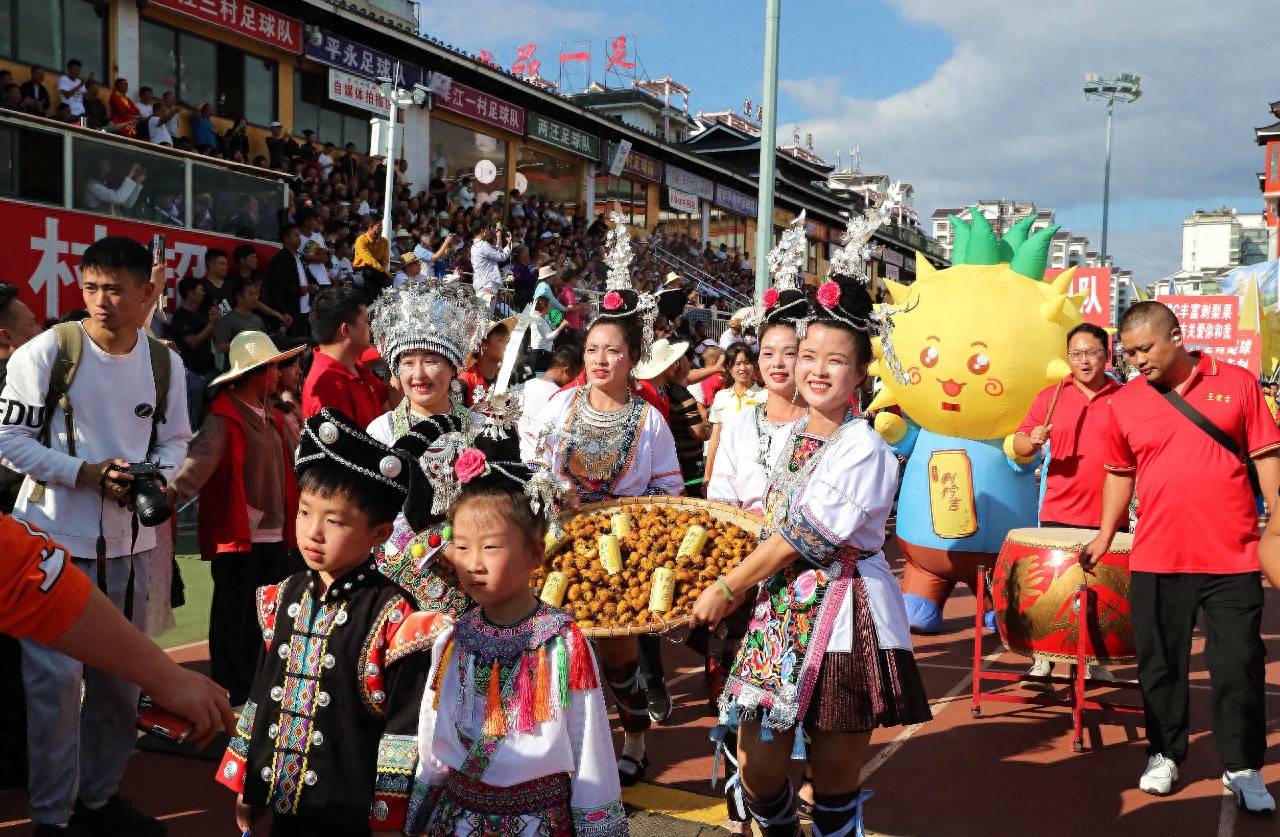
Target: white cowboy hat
<point>546,272</point>
<point>672,278</point>
<point>740,316</point>
<point>252,350</point>
<point>662,354</point>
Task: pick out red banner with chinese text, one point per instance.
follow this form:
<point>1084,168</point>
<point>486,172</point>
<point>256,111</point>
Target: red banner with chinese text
<point>44,246</point>
<point>1212,324</point>
<point>481,106</point>
<point>244,18</point>
<point>1094,284</point>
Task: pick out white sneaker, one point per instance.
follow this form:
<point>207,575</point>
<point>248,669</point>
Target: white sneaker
<point>1250,792</point>
<point>1100,673</point>
<point>1040,668</point>
<point>1159,776</point>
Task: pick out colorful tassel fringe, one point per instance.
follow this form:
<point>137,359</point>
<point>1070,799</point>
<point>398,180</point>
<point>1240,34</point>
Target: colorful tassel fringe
<point>542,691</point>
<point>561,653</point>
<point>526,712</point>
<point>445,657</point>
<point>495,722</point>
<point>582,674</point>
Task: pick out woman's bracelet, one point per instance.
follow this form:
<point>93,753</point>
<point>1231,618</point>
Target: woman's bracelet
<point>725,588</point>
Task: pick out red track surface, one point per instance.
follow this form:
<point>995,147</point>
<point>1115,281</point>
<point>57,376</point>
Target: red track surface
<point>1011,772</point>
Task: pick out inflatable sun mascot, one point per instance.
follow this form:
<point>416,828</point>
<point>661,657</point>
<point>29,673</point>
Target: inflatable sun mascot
<point>970,348</point>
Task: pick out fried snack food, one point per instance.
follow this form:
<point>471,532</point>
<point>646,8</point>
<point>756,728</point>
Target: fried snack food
<point>667,557</point>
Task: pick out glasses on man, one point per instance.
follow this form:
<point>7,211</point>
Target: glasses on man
<point>1085,354</point>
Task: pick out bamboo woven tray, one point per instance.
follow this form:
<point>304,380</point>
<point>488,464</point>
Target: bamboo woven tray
<point>722,512</point>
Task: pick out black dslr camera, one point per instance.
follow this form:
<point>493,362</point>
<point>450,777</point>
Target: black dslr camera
<point>146,492</point>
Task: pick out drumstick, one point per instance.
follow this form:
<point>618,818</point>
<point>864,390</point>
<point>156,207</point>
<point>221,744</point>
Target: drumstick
<point>1052,404</point>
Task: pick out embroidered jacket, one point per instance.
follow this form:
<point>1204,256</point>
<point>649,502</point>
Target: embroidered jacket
<point>329,726</point>
<point>510,712</point>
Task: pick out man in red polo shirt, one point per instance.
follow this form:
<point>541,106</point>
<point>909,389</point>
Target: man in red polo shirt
<point>338,380</point>
<point>1196,544</point>
<point>1071,416</point>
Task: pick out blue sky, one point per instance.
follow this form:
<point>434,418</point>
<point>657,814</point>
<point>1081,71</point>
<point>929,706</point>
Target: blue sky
<point>966,99</point>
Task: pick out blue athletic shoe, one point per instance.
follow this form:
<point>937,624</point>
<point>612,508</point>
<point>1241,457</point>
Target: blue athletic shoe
<point>924,616</point>
<point>989,620</point>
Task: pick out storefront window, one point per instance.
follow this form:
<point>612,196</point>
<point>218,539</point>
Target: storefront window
<point>30,164</point>
<point>52,32</point>
<point>551,178</point>
<point>198,70</point>
<point>99,172</point>
<point>457,150</point>
<point>631,196</point>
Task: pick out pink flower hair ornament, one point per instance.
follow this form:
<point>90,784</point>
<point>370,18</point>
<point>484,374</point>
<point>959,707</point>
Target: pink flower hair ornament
<point>770,297</point>
<point>829,294</point>
<point>471,463</point>
<point>612,301</point>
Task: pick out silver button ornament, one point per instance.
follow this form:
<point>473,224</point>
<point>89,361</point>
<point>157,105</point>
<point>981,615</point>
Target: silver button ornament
<point>328,432</point>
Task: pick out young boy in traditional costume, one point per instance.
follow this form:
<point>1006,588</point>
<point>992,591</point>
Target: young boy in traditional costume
<point>326,741</point>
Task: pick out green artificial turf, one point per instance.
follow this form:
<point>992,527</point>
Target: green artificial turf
<point>192,617</point>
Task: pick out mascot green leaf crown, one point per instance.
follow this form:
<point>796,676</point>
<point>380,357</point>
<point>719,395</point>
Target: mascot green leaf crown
<point>980,339</point>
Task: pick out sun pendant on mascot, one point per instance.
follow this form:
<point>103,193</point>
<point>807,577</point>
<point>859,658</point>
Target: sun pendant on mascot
<point>975,343</point>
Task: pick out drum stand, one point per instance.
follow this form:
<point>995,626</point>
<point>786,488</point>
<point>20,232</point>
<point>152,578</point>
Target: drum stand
<point>1078,682</point>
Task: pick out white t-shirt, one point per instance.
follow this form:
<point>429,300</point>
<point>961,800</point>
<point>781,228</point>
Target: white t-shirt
<point>326,165</point>
<point>728,403</point>
<point>114,397</point>
<point>313,244</point>
<point>541,335</point>
<point>159,131</point>
<point>74,100</point>
<point>729,338</point>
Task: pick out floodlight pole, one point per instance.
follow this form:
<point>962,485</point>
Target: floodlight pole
<point>768,143</point>
<point>1106,182</point>
<point>387,197</point>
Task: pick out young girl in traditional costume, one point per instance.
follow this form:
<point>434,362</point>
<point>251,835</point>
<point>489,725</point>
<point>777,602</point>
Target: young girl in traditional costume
<point>828,646</point>
<point>424,330</point>
<point>513,716</point>
<point>607,442</point>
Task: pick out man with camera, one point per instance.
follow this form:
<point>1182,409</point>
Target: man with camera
<point>80,404</point>
<point>486,258</point>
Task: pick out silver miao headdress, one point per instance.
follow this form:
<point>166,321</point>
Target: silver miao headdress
<point>621,300</point>
<point>851,261</point>
<point>448,319</point>
<point>786,261</point>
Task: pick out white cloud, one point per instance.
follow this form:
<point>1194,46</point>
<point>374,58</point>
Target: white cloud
<point>1004,115</point>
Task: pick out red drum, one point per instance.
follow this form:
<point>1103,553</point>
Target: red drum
<point>1034,590</point>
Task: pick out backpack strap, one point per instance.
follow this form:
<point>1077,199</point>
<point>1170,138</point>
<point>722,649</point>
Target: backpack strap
<point>160,371</point>
<point>69,342</point>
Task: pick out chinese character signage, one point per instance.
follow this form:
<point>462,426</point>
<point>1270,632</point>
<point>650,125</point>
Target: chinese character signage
<point>1092,285</point>
<point>640,165</point>
<point>48,244</point>
<point>345,54</point>
<point>735,201</point>
<point>691,183</point>
<point>244,18</point>
<point>468,101</point>
<point>1212,324</point>
<point>563,136</point>
<point>358,92</point>
<point>683,201</point>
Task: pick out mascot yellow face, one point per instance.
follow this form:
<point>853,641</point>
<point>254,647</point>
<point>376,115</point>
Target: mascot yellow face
<point>976,342</point>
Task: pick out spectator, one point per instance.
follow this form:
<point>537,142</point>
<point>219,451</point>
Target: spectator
<point>75,768</point>
<point>159,120</point>
<point>173,110</point>
<point>101,195</point>
<point>402,244</point>
<point>191,330</point>
<point>429,256</point>
<point>569,305</point>
<point>95,111</point>
<point>341,270</point>
<point>12,97</point>
<point>487,360</point>
<point>340,327</point>
<point>17,325</point>
<point>732,334</point>
<point>536,393</point>
<point>241,465</point>
<point>373,258</point>
<point>548,287</point>
<point>167,210</point>
<point>217,291</point>
<point>146,105</point>
<point>410,268</point>
<point>524,278</point>
<point>713,360</point>
<point>124,112</point>
<point>63,114</point>
<point>235,142</point>
<point>485,259</point>
<point>739,392</point>
<point>464,196</point>
<point>437,188</point>
<point>34,89</point>
<point>287,280</point>
<point>206,138</point>
<point>281,147</point>
<point>315,250</point>
<point>242,316</point>
<point>665,368</point>
<point>325,161</point>
<point>72,89</point>
<point>287,399</point>
<point>202,212</point>
<point>542,336</point>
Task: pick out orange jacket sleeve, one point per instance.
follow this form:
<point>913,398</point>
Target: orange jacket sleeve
<point>41,591</point>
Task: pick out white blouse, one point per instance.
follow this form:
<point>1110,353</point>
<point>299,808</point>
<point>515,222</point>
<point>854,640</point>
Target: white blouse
<point>727,403</point>
<point>652,467</point>
<point>737,476</point>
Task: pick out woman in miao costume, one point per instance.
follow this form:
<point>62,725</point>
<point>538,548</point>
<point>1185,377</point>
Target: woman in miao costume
<point>513,716</point>
<point>607,442</point>
<point>424,330</point>
<point>748,444</point>
<point>828,646</point>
